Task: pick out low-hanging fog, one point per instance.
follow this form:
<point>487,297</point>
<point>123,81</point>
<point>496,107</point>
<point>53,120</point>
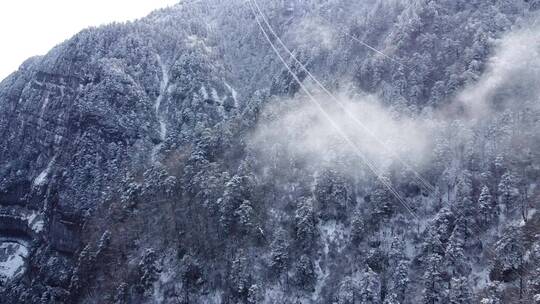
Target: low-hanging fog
<point>361,128</point>
<point>512,75</point>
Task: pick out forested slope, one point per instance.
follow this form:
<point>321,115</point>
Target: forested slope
<point>177,159</point>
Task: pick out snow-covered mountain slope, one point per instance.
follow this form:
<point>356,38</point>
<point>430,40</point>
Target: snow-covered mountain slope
<point>389,156</point>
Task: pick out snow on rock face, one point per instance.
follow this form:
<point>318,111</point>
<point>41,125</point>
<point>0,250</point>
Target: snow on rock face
<point>194,41</point>
<point>204,92</point>
<point>41,179</point>
<point>28,222</point>
<point>12,260</point>
<point>234,94</point>
<point>120,104</point>
<point>35,221</point>
<point>161,115</point>
<point>333,235</point>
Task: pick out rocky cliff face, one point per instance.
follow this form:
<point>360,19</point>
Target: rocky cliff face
<point>97,111</point>
<point>133,168</point>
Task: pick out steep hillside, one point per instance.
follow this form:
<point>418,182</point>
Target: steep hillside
<point>313,151</point>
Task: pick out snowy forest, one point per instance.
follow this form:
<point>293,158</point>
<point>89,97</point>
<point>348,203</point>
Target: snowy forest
<point>250,151</point>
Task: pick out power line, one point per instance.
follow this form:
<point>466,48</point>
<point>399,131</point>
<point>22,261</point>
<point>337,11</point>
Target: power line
<point>333,123</point>
<point>426,184</point>
<point>336,126</point>
<point>367,45</point>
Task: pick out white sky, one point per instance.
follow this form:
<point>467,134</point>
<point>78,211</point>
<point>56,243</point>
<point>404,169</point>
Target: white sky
<point>33,27</point>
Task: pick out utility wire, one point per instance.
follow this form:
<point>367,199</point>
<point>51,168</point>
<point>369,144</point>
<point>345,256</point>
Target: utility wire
<point>342,134</point>
<point>424,183</point>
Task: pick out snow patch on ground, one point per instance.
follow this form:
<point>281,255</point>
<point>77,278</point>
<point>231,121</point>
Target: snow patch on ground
<point>332,234</point>
<point>165,277</point>
<point>480,277</point>
<point>41,179</point>
<point>531,213</point>
<point>322,276</point>
<point>35,221</point>
<point>273,294</point>
<point>204,92</point>
<point>194,41</point>
<point>233,93</point>
<point>163,89</point>
<point>160,114</point>
<point>12,260</point>
<point>215,95</point>
<point>43,107</point>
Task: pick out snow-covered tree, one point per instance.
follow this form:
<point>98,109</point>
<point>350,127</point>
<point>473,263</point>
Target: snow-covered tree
<point>399,282</point>
<point>348,291</point>
<point>305,275</point>
<point>434,290</point>
<point>460,292</point>
<point>279,253</point>
<point>332,194</point>
<point>508,192</point>
<point>382,201</point>
<point>246,217</point>
<point>456,260</point>
<point>305,224</point>
<point>255,294</point>
<point>149,269</point>
<point>237,190</point>
<point>357,227</point>
<point>370,287</point>
<point>487,206</point>
<point>239,277</point>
